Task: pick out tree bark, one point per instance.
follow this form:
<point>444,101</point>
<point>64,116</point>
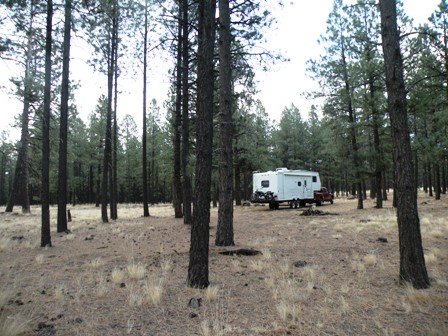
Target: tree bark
<point>377,143</point>
<point>187,192</point>
<point>63,122</point>
<point>199,242</point>
<point>108,136</point>
<point>177,181</point>
<point>144,141</point>
<point>224,231</point>
<point>114,187</point>
<point>45,193</point>
<point>352,122</point>
<point>237,183</point>
<point>412,261</point>
<point>437,188</point>
<point>444,177</point>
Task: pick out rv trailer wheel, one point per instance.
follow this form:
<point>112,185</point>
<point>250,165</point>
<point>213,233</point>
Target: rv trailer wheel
<point>293,204</point>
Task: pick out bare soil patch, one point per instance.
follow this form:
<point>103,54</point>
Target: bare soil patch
<point>315,275</point>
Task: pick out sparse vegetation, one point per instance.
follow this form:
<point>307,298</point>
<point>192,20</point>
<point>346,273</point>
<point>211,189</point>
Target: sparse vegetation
<point>135,270</point>
<point>14,326</point>
<point>302,275</point>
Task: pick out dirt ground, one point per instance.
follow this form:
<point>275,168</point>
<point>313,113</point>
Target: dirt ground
<point>317,275</point>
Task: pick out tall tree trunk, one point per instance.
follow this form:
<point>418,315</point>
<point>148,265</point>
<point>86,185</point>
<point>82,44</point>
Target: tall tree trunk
<point>429,175</point>
<point>177,182</point>
<point>3,179</point>
<point>444,176</point>
<point>108,141</point>
<point>185,117</point>
<point>144,141</point>
<point>224,231</point>
<point>114,189</point>
<point>377,144</point>
<point>91,193</point>
<point>437,187</point>
<point>20,186</point>
<point>98,186</point>
<point>45,194</point>
<point>352,122</point>
<point>237,183</point>
<point>412,261</point>
<point>63,122</point>
<point>199,242</point>
<point>425,178</point>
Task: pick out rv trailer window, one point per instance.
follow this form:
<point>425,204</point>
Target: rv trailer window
<point>265,184</point>
<point>314,178</point>
<point>299,183</point>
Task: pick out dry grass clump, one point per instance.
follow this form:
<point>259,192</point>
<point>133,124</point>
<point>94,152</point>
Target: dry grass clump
<point>5,296</point>
<point>292,293</point>
<point>4,243</point>
<point>166,265</point>
<point>440,278</point>
<point>257,265</point>
<point>436,232</point>
<point>135,270</point>
<point>59,292</point>
<point>345,289</point>
<point>153,291</point>
<point>338,227</point>
<point>211,293</point>
<point>96,263</point>
<point>135,298</point>
<point>40,259</point>
<point>358,265</point>
<point>344,306</point>
<point>288,311</point>
<point>370,260</point>
<point>236,265</point>
<point>415,298</point>
<point>14,326</point>
<point>117,275</point>
<point>70,236</point>
<point>215,324</point>
<point>430,258</point>
<point>102,288</point>
<point>266,254</point>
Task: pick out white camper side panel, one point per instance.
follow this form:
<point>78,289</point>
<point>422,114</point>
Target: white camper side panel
<point>291,188</point>
<point>308,189</point>
<point>265,182</point>
<point>298,187</point>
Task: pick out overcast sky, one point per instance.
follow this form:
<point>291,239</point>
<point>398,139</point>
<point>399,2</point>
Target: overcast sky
<point>299,25</point>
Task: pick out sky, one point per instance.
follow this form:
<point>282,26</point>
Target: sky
<point>299,25</point>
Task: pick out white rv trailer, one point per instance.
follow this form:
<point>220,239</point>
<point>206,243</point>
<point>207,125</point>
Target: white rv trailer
<point>283,185</point>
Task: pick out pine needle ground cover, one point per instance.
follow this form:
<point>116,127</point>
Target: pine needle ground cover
<point>316,275</point>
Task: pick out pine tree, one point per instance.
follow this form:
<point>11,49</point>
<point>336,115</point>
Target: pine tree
<point>412,262</point>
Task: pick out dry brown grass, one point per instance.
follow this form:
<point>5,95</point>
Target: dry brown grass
<point>130,277</point>
<point>14,325</point>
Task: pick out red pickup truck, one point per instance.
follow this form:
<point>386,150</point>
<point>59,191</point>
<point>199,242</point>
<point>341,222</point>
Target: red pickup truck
<point>322,195</point>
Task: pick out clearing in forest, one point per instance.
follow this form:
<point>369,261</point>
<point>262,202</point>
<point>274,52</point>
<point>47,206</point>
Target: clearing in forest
<point>316,275</point>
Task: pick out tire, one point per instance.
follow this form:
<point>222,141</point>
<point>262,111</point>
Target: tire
<point>272,205</point>
<point>293,204</point>
<point>319,202</point>
<point>331,202</point>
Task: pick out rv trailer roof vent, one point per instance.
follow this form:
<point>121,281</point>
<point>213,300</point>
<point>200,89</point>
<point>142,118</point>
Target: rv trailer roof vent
<point>281,169</point>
